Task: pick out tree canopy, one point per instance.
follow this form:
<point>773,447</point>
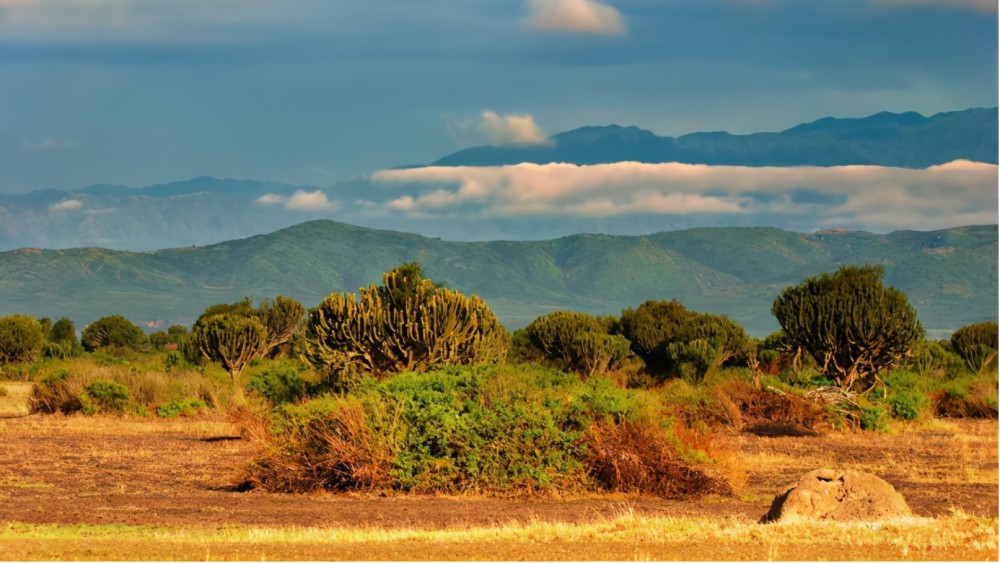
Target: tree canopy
<point>21,338</point>
<point>112,331</point>
<point>850,323</point>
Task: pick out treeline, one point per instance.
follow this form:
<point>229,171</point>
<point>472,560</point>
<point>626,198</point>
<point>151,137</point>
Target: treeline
<point>413,386</point>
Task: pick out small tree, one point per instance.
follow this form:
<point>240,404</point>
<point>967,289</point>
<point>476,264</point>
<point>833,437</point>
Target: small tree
<point>114,331</point>
<point>651,328</point>
<point>232,340</point>
<point>850,323</point>
<point>575,341</point>
<point>976,344</point>
<point>21,339</point>
<point>282,318</point>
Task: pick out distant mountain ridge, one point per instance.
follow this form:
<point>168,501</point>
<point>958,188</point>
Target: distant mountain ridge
<point>206,210</point>
<point>950,276</point>
<point>905,140</point>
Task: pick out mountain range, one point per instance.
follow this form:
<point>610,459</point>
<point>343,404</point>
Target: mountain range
<point>207,210</point>
<point>950,276</point>
<point>904,140</point>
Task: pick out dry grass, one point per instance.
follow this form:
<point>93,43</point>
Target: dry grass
<point>14,397</point>
<point>625,535</point>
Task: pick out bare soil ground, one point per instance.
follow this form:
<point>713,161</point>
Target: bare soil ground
<point>180,473</point>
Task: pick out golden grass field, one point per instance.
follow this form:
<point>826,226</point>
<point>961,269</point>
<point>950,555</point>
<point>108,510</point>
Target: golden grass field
<point>74,487</point>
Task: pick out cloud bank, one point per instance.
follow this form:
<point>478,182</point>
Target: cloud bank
<point>299,200</point>
<point>874,197</point>
<point>574,16</point>
<point>66,204</point>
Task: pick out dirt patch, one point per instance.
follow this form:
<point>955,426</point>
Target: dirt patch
<point>103,470</point>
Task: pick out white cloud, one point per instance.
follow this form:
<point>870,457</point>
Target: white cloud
<point>299,201</point>
<point>66,204</point>
<point>306,201</point>
<point>496,129</point>
<point>511,129</point>
<point>875,197</point>
<point>986,6</point>
<point>574,16</point>
<point>270,199</point>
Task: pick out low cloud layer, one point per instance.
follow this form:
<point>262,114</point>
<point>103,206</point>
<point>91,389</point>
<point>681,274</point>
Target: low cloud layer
<point>299,201</point>
<point>871,197</point>
<point>574,16</point>
<point>66,204</point>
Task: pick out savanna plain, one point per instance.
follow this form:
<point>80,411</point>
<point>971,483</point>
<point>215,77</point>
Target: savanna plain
<point>111,488</point>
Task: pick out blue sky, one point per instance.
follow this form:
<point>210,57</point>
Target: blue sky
<point>138,92</point>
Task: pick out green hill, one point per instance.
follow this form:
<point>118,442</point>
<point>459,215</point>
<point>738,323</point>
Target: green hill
<point>950,276</point>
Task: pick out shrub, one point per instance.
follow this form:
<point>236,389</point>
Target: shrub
<point>643,458</point>
<point>504,430</point>
<point>104,396</point>
<point>3,391</point>
<point>908,404</point>
<point>21,339</point>
<point>739,404</point>
<point>183,407</point>
<point>280,384</point>
<point>874,418</point>
<point>969,397</point>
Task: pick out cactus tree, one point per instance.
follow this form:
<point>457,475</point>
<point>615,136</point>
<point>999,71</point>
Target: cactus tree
<point>407,324</point>
<point>850,323</point>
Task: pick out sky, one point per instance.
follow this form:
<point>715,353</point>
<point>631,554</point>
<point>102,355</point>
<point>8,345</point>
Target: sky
<point>314,92</point>
<point>136,92</point>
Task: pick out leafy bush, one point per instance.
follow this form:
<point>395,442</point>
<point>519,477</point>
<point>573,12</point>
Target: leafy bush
<point>968,397</point>
<point>498,429</point>
<point>908,404</point>
<point>104,396</point>
<point>280,384</point>
<point>874,418</point>
<point>3,391</point>
<point>180,408</point>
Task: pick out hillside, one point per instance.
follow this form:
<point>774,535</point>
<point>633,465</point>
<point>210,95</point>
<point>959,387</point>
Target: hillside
<point>950,276</point>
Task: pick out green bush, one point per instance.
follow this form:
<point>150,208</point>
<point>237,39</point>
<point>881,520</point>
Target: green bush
<point>497,429</point>
<point>908,404</point>
<point>874,418</point>
<point>280,384</point>
<point>183,407</point>
<point>3,391</point>
<point>104,396</point>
